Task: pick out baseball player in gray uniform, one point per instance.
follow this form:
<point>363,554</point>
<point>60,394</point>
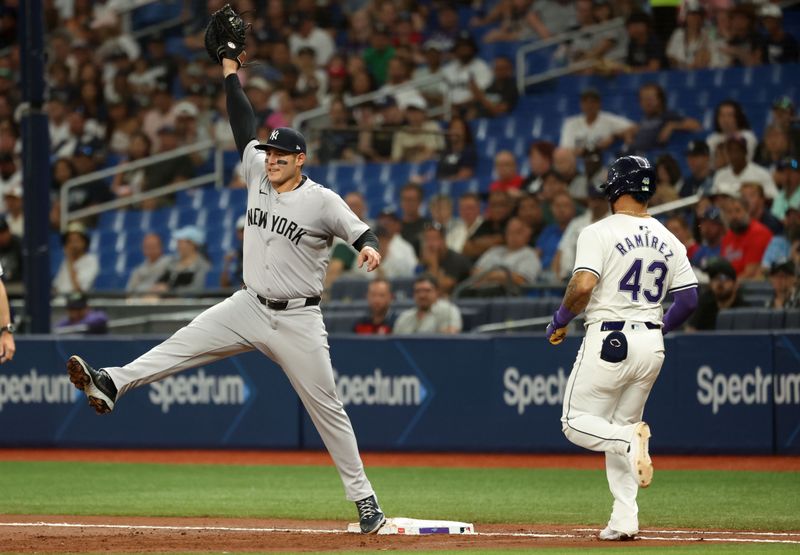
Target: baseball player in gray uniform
<point>624,267</point>
<point>291,221</point>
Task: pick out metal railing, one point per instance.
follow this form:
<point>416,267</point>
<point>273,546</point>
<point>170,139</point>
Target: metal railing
<point>427,81</point>
<point>524,80</point>
<point>213,177</point>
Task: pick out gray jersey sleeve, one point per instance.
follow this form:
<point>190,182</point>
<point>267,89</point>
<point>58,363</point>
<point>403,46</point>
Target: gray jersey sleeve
<point>253,169</point>
<point>339,220</point>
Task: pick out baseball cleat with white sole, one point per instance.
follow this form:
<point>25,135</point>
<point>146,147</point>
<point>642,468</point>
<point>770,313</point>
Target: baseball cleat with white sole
<point>96,384</point>
<point>610,535</point>
<point>370,516</point>
<point>639,455</point>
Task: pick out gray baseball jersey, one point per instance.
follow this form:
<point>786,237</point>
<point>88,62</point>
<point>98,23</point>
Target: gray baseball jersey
<point>288,235</point>
<point>286,242</point>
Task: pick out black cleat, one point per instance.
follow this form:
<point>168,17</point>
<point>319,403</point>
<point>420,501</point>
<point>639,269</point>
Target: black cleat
<point>96,384</point>
<point>370,516</point>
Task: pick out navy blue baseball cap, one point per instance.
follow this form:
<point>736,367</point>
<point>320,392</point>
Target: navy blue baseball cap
<point>286,139</point>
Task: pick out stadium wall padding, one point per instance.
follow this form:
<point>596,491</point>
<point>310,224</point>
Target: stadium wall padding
<point>717,393</point>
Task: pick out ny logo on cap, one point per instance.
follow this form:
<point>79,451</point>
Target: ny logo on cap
<point>274,136</point>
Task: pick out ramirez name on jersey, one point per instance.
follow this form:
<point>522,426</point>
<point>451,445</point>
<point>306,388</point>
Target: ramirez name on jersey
<point>643,240</point>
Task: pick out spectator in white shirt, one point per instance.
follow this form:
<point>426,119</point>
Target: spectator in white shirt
<point>308,34</point>
<point>728,180</point>
<point>514,261</point>
<point>593,129</point>
<point>398,257</point>
<point>688,47</point>
<point>155,263</point>
<point>469,220</point>
<point>466,67</point>
<point>79,268</point>
<point>431,314</point>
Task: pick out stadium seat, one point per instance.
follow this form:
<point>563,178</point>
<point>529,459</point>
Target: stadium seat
<point>340,321</point>
<point>750,319</point>
<point>347,288</point>
<point>792,319</point>
<point>403,288</point>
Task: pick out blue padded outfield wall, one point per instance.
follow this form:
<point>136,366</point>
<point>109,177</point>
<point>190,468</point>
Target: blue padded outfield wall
<point>716,394</point>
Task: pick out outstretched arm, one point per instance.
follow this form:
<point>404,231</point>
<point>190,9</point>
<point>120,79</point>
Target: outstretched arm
<point>240,111</point>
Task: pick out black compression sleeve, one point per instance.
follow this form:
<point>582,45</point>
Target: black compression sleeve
<point>240,113</point>
<point>367,239</point>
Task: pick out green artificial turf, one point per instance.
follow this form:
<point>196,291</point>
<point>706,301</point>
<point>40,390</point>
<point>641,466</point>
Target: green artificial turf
<point>685,499</point>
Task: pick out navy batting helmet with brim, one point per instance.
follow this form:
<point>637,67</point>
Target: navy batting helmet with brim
<point>630,175</point>
<point>286,139</point>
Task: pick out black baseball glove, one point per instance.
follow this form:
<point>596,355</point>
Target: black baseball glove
<point>225,36</point>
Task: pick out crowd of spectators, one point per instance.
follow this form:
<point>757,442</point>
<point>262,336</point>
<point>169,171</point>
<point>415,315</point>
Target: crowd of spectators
<point>113,99</point>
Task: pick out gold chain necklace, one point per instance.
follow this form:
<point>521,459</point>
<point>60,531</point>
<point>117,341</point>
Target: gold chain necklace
<point>632,213</point>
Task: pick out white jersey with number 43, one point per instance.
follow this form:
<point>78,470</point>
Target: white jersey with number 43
<point>638,261</point>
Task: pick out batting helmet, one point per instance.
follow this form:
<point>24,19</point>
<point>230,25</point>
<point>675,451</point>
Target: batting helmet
<point>630,175</point>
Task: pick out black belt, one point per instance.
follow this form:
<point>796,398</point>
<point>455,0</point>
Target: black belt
<point>617,326</point>
<point>281,305</point>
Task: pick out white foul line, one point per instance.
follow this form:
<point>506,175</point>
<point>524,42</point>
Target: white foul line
<point>677,538</point>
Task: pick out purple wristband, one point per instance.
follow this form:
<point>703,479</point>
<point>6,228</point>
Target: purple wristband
<point>562,317</point>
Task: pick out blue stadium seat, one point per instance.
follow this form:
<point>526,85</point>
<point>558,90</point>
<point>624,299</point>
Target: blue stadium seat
<point>349,288</point>
<point>340,322</point>
<point>792,319</point>
<point>403,288</point>
<point>750,319</point>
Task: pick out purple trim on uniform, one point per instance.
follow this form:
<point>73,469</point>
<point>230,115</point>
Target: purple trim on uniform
<point>682,288</point>
<point>584,268</point>
<point>684,304</point>
<point>562,317</point>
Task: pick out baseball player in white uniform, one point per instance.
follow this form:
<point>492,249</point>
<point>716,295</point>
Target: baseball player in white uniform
<point>291,221</point>
<point>625,265</point>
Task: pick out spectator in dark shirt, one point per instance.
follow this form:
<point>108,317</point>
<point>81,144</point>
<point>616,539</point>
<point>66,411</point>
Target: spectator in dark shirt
<point>753,195</point>
<point>376,142</point>
<point>447,266</point>
<point>529,210</point>
<point>780,47</point>
<point>81,319</point>
<point>166,172</point>
<point>785,291</point>
<point>500,97</point>
<point>10,254</point>
<point>645,51</point>
<point>412,220</point>
<point>459,159</point>
<point>712,230</point>
<point>380,319</point>
<point>701,175</point>
<point>563,210</point>
<point>339,140</point>
<point>723,292</point>
<point>658,122</point>
<point>540,160</point>
<point>745,47</point>
<point>187,271</point>
<point>492,231</point>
